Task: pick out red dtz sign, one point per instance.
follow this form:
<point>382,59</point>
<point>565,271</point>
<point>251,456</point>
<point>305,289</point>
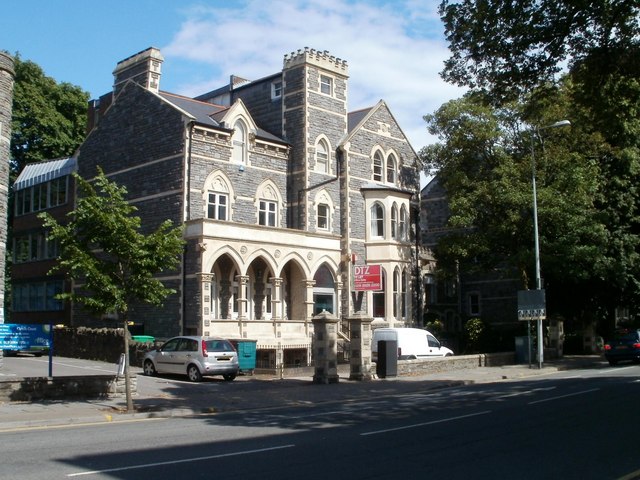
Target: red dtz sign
<point>367,277</point>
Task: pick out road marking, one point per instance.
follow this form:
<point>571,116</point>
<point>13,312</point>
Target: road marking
<point>174,462</point>
<point>563,396</point>
<point>416,425</point>
<point>526,392</point>
<point>613,369</point>
<point>109,420</point>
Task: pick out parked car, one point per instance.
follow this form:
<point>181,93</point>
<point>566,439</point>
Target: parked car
<point>193,356</point>
<point>412,343</point>
<point>625,345</point>
<point>35,350</point>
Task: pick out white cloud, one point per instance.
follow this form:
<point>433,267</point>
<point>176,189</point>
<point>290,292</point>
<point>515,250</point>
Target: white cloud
<point>394,50</point>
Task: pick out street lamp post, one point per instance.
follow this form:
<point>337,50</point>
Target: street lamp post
<point>535,133</point>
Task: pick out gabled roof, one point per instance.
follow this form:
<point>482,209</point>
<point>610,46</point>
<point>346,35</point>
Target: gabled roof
<point>358,118</point>
<point>41,172</point>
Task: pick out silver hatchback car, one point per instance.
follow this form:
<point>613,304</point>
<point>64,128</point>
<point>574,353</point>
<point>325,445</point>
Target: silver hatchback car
<point>193,356</point>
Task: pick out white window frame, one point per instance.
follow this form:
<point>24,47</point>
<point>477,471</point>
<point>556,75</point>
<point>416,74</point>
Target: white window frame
<point>276,89</point>
<point>239,143</point>
<point>326,85</point>
<point>322,157</point>
<point>394,222</point>
<point>391,174</point>
<point>217,205</point>
<point>402,231</point>
<point>377,220</point>
<point>326,216</point>
<point>268,213</point>
<point>378,167</point>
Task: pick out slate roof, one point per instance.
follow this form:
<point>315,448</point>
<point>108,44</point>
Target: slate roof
<point>208,113</point>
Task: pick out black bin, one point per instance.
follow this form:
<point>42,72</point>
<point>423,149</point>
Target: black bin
<point>387,364</point>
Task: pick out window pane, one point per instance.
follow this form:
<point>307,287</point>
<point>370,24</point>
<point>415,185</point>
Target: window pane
<point>391,169</point>
<point>377,167</point>
<point>217,206</point>
<point>323,216</point>
<point>326,84</point>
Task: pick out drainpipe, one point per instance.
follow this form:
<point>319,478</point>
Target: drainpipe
<point>186,217</point>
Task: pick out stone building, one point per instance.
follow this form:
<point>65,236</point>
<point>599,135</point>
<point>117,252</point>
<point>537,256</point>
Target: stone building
<point>491,296</point>
<point>281,191</point>
<point>7,78</point>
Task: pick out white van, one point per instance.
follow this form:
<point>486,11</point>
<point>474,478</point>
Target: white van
<point>412,343</point>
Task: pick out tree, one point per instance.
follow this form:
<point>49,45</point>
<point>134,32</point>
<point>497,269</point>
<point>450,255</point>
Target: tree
<point>483,160</point>
<point>103,250</point>
<point>49,119</point>
<point>508,47</point>
<point>526,51</point>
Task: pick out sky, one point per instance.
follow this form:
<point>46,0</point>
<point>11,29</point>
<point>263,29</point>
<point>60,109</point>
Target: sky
<point>395,49</point>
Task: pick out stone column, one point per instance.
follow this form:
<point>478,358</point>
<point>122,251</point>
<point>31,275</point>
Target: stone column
<point>242,299</point>
<point>206,292</point>
<point>7,76</point>
<point>361,334</point>
<point>308,301</point>
<point>325,348</point>
<point>276,302</point>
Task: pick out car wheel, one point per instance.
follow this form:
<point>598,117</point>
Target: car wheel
<point>194,373</point>
<point>613,363</point>
<point>148,369</point>
<point>229,377</point>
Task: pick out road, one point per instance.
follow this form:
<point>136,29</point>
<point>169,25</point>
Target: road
<point>578,424</point>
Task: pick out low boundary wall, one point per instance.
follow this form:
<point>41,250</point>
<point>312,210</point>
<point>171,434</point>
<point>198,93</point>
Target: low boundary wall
<point>62,388</point>
<point>107,386</point>
<point>458,362</point>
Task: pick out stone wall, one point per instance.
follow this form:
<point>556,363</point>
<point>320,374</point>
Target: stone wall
<point>57,388</point>
<point>447,364</point>
<point>103,344</point>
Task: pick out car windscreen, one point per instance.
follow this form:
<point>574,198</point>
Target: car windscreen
<point>219,346</point>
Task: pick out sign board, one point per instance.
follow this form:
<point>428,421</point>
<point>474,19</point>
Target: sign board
<point>532,305</point>
<point>15,336</point>
<point>367,277</point>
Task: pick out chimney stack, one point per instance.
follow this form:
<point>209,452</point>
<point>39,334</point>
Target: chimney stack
<point>144,68</point>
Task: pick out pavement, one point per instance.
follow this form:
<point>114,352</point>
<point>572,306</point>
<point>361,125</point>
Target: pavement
<point>159,397</point>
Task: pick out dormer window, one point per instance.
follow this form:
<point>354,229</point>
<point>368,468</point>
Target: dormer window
<point>276,90</point>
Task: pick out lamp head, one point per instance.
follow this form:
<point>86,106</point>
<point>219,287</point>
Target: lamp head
<point>561,123</point>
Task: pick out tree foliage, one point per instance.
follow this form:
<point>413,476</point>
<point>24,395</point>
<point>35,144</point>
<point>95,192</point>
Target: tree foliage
<point>484,162</point>
<point>49,118</point>
<point>103,249</point>
<point>509,47</point>
<point>553,60</point>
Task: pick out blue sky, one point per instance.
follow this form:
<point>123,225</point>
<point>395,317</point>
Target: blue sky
<point>394,49</point>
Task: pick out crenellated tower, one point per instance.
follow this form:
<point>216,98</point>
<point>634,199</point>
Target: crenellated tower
<point>314,110</point>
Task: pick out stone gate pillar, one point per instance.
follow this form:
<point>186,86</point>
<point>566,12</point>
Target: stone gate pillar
<point>360,362</point>
<point>325,348</point>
